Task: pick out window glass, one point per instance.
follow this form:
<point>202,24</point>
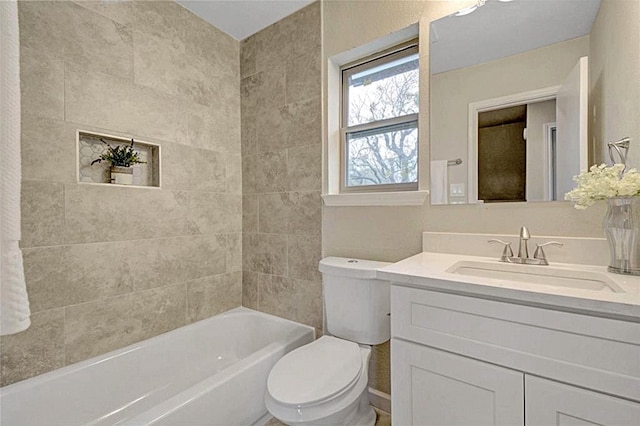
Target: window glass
<point>380,122</point>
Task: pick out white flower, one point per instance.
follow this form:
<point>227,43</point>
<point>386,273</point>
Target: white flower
<point>602,182</point>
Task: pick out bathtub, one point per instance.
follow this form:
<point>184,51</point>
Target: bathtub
<point>213,372</point>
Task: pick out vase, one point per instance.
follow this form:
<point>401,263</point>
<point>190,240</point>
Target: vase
<point>621,227</point>
<point>121,175</point>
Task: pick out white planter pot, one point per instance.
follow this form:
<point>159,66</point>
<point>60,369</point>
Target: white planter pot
<point>122,175</point>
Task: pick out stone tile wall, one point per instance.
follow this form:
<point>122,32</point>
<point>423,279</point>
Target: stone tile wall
<point>109,266</point>
<point>281,168</point>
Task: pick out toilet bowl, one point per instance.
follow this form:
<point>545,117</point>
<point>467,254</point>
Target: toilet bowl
<point>322,383</point>
<point>326,382</point>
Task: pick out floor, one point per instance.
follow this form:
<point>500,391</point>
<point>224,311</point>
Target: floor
<point>384,419</point>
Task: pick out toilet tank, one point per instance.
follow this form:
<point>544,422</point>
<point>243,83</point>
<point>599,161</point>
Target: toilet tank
<point>356,303</point>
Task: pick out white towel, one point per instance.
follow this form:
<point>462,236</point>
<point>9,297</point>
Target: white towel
<point>439,181</point>
<point>14,304</point>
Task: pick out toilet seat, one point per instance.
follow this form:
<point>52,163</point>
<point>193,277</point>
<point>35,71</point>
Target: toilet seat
<point>315,373</point>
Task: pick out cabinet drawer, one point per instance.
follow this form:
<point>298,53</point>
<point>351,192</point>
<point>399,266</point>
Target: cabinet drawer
<point>549,403</point>
<point>433,387</point>
<point>596,353</point>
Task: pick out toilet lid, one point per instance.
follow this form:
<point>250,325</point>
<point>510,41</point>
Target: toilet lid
<point>315,372</point>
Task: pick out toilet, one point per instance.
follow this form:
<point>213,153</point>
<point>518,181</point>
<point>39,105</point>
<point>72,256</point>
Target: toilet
<point>326,382</point>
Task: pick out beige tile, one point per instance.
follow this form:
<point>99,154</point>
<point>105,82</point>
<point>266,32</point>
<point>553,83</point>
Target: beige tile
<point>265,172</point>
<point>65,275</point>
<point>106,213</point>
<point>37,350</point>
<point>266,253</point>
<point>303,30</point>
<point>162,65</point>
<point>160,18</point>
<point>189,168</point>
<point>212,295</point>
<point>304,254</point>
<point>217,127</point>
<point>116,103</point>
<point>249,213</point>
<point>273,213</point>
<point>297,300</point>
<point>48,149</point>
<point>303,77</point>
<point>294,124</point>
<point>290,37</point>
<point>271,172</point>
<point>234,252</point>
<point>248,132</point>
<point>41,84</point>
<point>248,48</point>
<point>305,214</point>
<point>101,326</point>
<point>214,213</point>
<point>42,210</point>
<point>250,289</point>
<point>81,36</point>
<point>263,91</point>
<point>234,173</point>
<point>250,164</point>
<point>155,263</point>
<point>304,168</point>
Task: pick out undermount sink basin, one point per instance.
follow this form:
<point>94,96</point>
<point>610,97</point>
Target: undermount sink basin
<point>534,274</point>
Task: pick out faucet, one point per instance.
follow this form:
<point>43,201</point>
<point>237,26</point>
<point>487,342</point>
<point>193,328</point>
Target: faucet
<point>539,257</point>
<point>523,242</point>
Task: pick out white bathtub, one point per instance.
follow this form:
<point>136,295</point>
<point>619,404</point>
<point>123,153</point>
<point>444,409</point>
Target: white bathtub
<point>213,372</point>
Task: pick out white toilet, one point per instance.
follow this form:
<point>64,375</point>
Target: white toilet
<point>326,382</point>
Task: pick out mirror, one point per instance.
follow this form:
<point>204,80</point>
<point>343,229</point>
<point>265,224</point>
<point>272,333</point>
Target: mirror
<point>509,100</point>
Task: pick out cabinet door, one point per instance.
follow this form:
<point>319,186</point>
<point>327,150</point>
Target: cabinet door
<point>550,403</point>
<point>433,387</point>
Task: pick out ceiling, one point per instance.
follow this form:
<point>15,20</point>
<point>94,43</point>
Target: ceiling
<point>499,29</point>
<point>243,18</point>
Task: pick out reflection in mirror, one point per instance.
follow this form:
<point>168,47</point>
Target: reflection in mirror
<point>509,96</point>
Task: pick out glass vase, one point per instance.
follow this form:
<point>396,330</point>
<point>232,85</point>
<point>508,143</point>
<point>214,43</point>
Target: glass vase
<point>621,227</point>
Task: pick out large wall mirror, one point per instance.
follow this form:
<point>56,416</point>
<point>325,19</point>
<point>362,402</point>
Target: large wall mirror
<point>509,100</point>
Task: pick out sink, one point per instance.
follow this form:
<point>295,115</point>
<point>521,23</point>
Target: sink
<point>543,275</point>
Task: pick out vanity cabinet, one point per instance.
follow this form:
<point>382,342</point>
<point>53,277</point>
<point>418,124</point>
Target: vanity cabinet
<point>433,387</point>
<point>462,360</point>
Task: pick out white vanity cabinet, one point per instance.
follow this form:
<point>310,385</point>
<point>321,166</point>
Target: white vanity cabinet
<point>462,360</point>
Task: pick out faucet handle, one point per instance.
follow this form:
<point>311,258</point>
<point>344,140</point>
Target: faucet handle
<point>506,252</point>
<point>539,253</point>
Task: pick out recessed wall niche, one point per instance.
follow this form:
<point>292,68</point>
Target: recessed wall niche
<point>92,145</point>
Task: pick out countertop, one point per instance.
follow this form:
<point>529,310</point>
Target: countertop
<point>429,271</point>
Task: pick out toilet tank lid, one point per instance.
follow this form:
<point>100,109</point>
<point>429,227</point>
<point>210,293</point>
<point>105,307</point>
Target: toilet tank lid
<point>350,267</point>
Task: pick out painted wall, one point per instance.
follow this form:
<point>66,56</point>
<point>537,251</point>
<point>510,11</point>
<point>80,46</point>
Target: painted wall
<point>390,233</point>
<point>281,159</point>
<point>109,266</point>
<point>614,69</point>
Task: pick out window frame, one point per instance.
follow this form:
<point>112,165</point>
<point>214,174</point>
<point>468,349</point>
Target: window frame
<point>389,55</point>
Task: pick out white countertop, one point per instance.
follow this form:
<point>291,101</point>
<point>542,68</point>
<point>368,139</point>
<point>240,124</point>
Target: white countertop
<point>428,270</point>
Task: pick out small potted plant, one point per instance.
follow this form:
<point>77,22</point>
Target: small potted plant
<point>121,157</point>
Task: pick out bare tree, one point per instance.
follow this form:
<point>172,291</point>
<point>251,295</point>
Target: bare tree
<point>389,155</point>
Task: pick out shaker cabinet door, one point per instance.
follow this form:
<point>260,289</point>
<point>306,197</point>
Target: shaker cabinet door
<point>433,387</point>
<point>550,403</point>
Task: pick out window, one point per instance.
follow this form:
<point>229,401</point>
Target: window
<point>380,122</point>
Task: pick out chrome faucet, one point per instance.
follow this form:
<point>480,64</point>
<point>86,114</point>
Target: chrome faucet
<point>539,257</point>
<point>525,236</point>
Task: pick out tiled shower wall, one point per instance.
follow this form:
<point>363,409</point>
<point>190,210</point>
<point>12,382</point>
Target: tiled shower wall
<point>108,266</point>
<point>281,168</point>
